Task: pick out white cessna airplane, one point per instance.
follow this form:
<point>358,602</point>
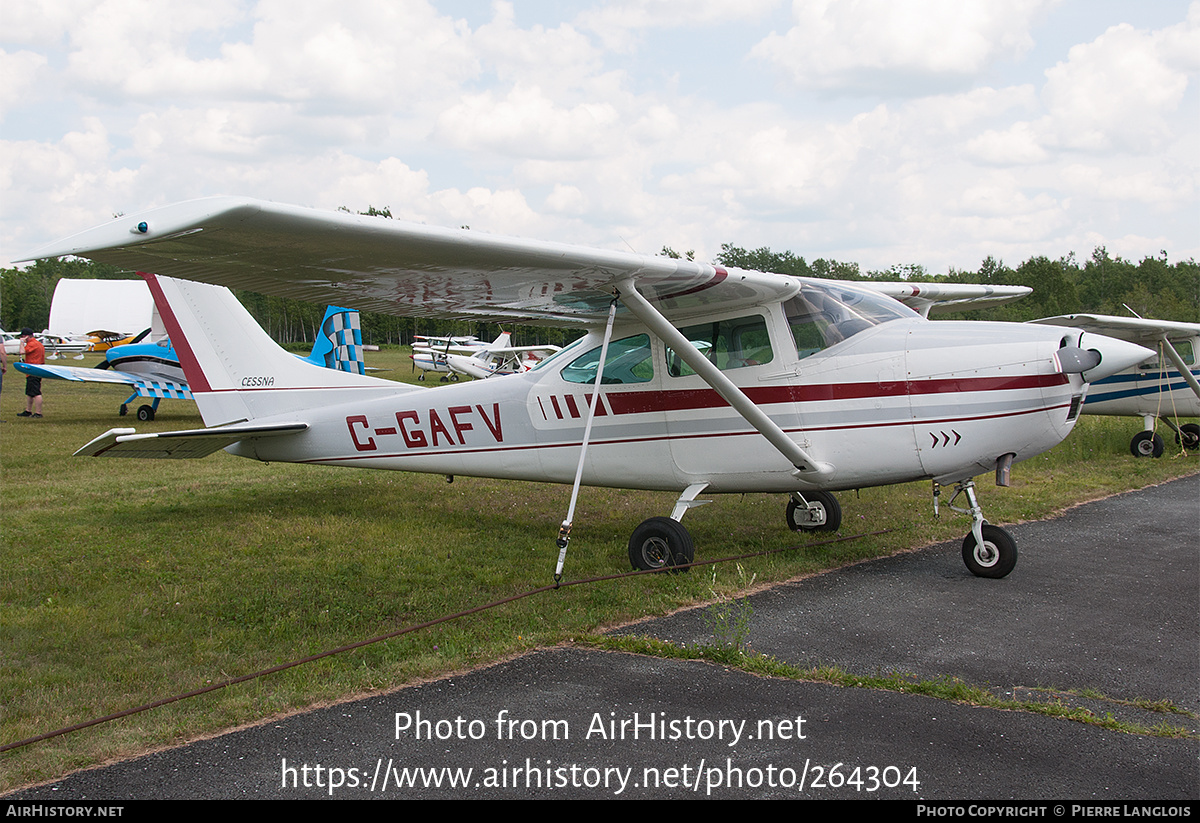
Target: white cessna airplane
<point>1163,387</point>
<point>498,358</point>
<point>691,378</point>
<point>429,353</point>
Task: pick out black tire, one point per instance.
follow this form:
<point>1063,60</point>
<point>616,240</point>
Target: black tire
<point>661,543</point>
<point>145,413</point>
<point>833,513</point>
<point>1146,444</point>
<point>1189,436</point>
<point>124,410</point>
<point>996,558</point>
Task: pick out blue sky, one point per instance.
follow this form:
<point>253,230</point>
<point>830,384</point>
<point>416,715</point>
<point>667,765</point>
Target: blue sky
<point>883,132</point>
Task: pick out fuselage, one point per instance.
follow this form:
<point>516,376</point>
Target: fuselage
<point>1154,387</point>
<point>153,361</point>
<point>896,399</point>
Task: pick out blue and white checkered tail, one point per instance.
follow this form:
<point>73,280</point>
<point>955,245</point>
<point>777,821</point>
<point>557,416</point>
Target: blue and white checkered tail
<point>340,345</point>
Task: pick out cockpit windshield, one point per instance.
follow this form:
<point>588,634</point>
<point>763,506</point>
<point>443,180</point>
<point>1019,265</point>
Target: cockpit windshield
<point>824,314</point>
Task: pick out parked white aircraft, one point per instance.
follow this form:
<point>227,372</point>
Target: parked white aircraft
<point>691,377</point>
<point>430,353</point>
<point>1163,387</point>
<point>499,358</point>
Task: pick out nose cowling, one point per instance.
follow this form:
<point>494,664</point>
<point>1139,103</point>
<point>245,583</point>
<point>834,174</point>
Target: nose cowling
<point>1096,356</point>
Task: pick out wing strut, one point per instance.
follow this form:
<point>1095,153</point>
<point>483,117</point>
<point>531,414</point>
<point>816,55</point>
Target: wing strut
<point>806,467</point>
<point>564,531</point>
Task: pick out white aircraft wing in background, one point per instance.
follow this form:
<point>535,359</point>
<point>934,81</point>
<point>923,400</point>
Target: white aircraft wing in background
<point>941,298</point>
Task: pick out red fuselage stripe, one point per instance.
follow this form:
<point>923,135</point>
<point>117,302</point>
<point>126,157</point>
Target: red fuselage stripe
<point>660,401</point>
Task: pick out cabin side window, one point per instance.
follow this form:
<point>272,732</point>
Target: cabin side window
<point>728,344</point>
<point>1184,347</point>
<point>628,361</point>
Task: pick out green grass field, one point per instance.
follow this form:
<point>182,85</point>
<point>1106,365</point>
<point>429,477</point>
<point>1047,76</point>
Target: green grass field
<point>127,581</point>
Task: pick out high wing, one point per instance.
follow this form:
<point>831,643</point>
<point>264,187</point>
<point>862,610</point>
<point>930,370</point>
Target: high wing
<point>143,386</point>
<point>393,267</point>
<point>941,298</point>
<point>1134,329</point>
<point>456,348</point>
<point>548,349</point>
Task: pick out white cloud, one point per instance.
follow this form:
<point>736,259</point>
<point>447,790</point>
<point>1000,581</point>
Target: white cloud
<point>1018,145</point>
<point>558,58</point>
<point>352,56</point>
<point>603,126</point>
<point>1119,90</point>
<point>41,22</point>
<point>20,71</point>
<point>527,123</point>
<point>888,45</point>
<point>620,25</point>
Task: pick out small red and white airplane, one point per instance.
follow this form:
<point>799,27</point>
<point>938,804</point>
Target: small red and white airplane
<point>691,378</point>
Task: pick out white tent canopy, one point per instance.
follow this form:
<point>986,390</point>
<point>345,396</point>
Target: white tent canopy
<point>83,306</point>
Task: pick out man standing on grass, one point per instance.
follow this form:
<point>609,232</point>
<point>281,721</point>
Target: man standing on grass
<point>35,355</point>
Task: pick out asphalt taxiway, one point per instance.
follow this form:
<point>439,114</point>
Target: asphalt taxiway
<point>1102,614</point>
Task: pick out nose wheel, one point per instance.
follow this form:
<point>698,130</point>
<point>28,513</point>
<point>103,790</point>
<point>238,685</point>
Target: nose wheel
<point>995,557</point>
<point>987,551</point>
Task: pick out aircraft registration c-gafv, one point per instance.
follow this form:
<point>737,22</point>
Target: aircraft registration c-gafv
<point>691,378</point>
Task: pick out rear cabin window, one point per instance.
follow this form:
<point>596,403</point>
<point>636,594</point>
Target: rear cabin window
<point>628,361</point>
<point>728,344</point>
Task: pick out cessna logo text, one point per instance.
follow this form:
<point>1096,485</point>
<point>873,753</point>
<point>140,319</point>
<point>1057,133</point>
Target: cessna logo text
<point>258,381</point>
<point>435,427</point>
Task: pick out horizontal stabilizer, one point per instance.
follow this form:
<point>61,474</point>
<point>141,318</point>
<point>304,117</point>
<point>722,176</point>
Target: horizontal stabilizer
<point>162,389</point>
<point>145,386</point>
<point>179,445</point>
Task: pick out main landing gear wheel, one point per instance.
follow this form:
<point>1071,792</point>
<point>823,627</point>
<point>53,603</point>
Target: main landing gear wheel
<point>145,413</point>
<point>995,558</point>
<point>661,543</point>
<point>1146,444</point>
<point>825,516</point>
<point>1189,436</point>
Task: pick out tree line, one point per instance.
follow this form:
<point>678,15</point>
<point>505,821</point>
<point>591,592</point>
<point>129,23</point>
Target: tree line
<point>1102,284</point>
<point>1153,287</point>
